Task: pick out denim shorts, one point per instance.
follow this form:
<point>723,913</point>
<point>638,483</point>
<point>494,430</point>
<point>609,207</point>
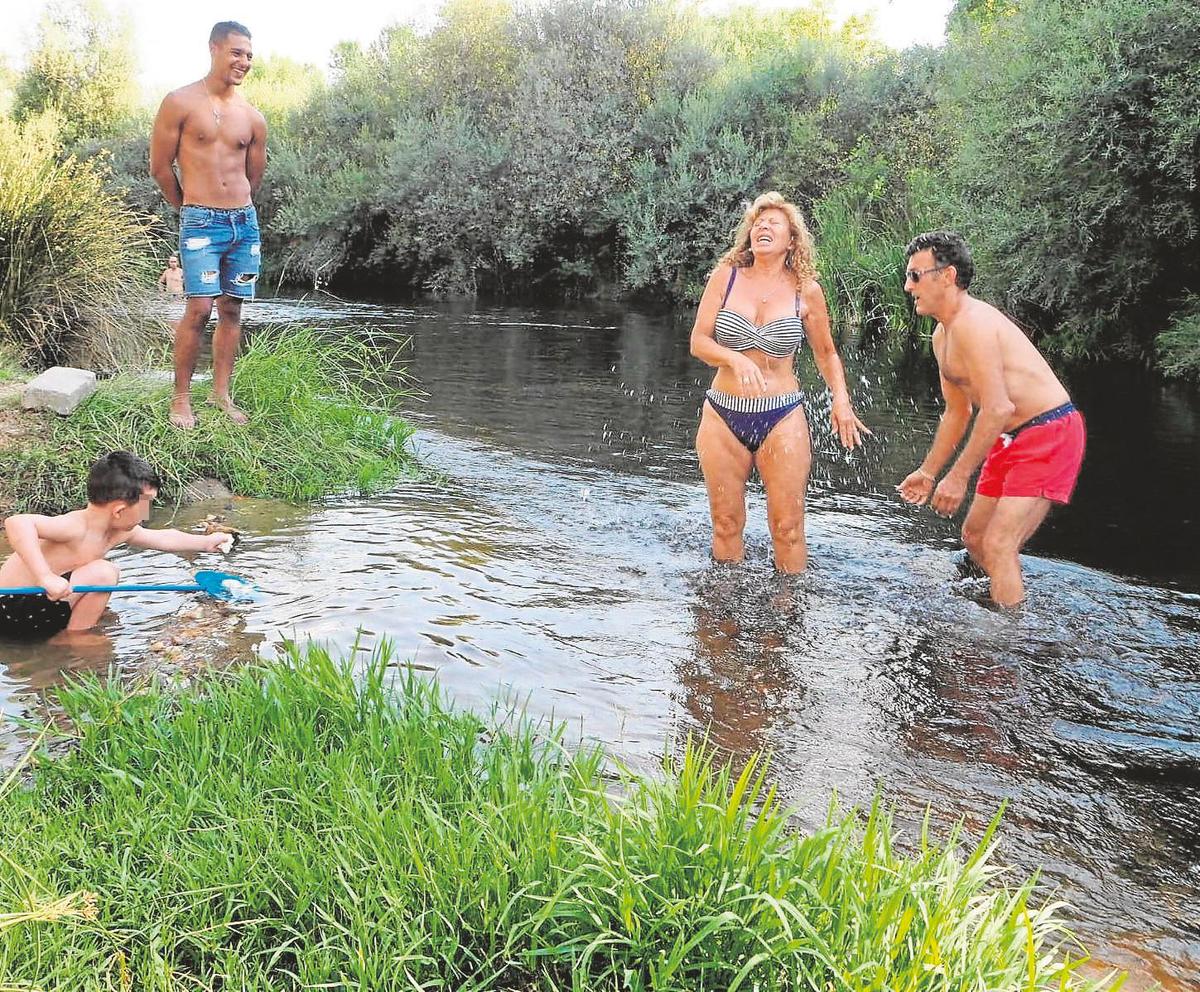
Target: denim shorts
<point>219,251</point>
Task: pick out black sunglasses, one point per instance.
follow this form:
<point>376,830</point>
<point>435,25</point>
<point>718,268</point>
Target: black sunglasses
<point>915,274</point>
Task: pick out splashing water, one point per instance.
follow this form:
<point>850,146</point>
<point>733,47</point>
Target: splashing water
<point>239,589</point>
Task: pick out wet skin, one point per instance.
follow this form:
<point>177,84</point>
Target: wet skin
<point>990,370</point>
<point>764,291</point>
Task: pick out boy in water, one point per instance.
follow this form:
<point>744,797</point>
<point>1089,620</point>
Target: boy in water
<point>55,552</point>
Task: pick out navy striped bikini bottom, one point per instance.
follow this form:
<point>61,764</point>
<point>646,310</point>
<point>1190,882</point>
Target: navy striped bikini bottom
<point>751,418</point>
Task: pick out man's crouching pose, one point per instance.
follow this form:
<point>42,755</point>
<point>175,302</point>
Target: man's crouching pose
<point>1027,432</point>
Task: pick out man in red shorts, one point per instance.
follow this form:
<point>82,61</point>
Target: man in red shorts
<point>1027,433</point>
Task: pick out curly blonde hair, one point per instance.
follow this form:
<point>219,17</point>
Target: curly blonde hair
<point>801,258</point>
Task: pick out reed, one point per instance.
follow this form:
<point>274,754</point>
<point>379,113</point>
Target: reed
<point>863,227</point>
<point>75,262</point>
<point>307,823</point>
<point>323,421</point>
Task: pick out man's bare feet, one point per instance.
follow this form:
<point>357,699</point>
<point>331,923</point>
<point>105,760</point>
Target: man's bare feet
<point>181,413</point>
<point>226,404</point>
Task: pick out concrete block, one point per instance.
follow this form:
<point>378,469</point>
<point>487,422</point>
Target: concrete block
<point>60,389</point>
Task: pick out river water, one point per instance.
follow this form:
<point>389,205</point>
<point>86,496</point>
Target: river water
<point>556,553</point>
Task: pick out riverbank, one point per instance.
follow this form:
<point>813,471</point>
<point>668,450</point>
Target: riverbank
<point>561,552</point>
<point>307,822</point>
<point>322,423</point>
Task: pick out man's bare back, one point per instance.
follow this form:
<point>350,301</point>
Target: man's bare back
<point>1030,383</point>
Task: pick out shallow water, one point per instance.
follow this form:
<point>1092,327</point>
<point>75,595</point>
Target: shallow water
<point>560,555</point>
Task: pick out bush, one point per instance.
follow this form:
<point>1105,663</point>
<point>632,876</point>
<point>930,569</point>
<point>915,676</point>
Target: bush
<point>862,228</point>
<point>81,68</point>
<point>322,422</point>
<point>307,825</point>
<point>1076,174</point>
<point>75,262</point>
<point>1179,344</point>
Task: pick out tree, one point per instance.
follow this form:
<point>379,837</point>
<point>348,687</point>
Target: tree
<point>82,68</point>
<point>1076,173</point>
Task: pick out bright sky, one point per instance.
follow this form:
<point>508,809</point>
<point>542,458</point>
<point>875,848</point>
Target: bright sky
<point>172,36</point>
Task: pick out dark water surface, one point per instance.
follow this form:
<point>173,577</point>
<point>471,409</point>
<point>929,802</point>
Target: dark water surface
<point>561,556</point>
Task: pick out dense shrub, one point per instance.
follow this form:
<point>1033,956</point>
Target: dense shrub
<point>605,147</point>
<point>1179,344</point>
<point>1076,172</point>
<point>74,259</point>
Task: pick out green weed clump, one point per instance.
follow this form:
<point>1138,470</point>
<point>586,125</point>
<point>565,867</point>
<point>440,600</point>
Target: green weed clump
<point>74,260</point>
<point>10,362</point>
<point>322,422</point>
<point>863,226</point>
<point>307,824</point>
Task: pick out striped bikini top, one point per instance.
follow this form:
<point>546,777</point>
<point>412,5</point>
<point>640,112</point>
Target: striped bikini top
<point>778,338</point>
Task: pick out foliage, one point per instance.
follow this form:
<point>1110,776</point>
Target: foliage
<point>81,69</point>
<point>1076,176</point>
<point>606,147</point>
<point>73,259</point>
<point>322,422</point>
<point>309,824</point>
<point>279,87</point>
<point>865,224</point>
<point>1179,344</point>
<point>10,363</point>
<point>502,176</point>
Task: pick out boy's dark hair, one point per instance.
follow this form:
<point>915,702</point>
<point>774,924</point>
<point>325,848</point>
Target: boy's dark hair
<point>121,475</point>
<point>948,249</point>
<point>223,29</point>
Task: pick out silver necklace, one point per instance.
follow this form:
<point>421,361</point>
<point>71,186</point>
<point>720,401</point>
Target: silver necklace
<point>212,106</point>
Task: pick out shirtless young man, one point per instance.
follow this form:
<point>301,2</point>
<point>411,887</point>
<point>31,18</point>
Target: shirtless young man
<point>58,552</point>
<point>171,278</point>
<point>1027,433</point>
<point>219,143</point>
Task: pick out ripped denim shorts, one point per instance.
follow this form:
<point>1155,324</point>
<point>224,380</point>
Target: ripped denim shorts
<point>219,251</point>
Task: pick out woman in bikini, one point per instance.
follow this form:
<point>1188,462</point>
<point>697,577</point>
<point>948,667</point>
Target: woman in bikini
<point>760,303</point>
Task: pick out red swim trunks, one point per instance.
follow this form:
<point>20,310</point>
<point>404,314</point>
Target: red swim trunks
<point>1040,460</point>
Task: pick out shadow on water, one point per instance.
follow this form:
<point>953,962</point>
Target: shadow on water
<point>560,554</point>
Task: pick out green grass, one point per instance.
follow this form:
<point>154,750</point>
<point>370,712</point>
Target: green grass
<point>75,262</point>
<point>298,825</point>
<point>10,363</point>
<point>322,422</point>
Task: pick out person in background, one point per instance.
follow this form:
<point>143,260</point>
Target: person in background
<point>171,278</point>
